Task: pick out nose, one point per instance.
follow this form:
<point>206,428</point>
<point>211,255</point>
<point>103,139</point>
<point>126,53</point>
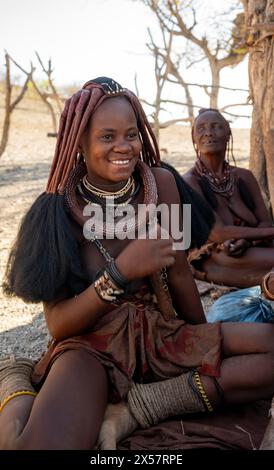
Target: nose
<point>122,146</point>
<point>208,131</point>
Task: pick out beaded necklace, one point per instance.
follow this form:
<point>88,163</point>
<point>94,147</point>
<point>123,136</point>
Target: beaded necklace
<point>134,223</point>
<point>107,194</point>
<point>107,201</point>
<point>223,185</point>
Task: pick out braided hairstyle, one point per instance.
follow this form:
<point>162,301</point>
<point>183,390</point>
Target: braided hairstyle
<point>45,256</point>
<point>74,120</point>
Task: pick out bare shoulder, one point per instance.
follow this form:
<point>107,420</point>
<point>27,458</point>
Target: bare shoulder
<point>242,171</point>
<point>189,175</point>
<point>163,175</point>
<point>166,185</point>
<point>245,174</point>
<point>191,179</point>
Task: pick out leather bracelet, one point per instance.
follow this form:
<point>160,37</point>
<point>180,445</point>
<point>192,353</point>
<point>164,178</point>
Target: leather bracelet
<point>265,290</point>
<point>116,276</point>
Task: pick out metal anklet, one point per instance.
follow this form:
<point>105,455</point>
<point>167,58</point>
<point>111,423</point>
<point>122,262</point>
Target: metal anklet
<point>202,392</point>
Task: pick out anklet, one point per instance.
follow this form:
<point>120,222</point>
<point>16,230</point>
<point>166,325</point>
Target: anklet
<point>16,394</point>
<point>202,391</point>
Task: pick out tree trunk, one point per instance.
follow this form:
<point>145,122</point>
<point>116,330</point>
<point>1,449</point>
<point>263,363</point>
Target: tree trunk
<point>260,21</point>
<point>6,126</point>
<point>5,134</point>
<point>9,105</point>
<point>214,94</point>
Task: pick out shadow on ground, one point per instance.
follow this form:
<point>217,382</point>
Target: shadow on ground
<point>19,173</point>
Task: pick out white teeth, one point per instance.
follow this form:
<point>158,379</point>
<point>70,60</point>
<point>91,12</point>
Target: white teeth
<point>120,162</point>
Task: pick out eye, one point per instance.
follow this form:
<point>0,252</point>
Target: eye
<point>132,135</point>
<point>107,137</point>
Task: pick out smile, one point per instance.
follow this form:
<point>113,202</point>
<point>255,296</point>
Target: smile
<point>120,162</point>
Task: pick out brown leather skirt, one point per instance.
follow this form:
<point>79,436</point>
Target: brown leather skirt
<point>135,343</point>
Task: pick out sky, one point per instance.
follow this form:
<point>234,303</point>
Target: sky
<point>90,38</point>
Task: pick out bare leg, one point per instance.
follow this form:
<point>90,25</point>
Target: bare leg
<point>247,371</point>
<point>66,414</point>
<point>245,271</point>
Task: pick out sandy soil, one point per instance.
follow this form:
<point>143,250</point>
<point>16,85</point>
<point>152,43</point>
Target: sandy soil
<point>23,173</point>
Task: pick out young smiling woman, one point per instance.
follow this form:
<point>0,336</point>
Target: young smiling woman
<point>112,335</point>
<point>111,144</point>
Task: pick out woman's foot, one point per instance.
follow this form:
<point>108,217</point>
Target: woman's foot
<point>118,423</point>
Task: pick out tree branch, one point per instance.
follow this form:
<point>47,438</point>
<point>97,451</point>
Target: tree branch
<point>165,124</point>
<point>212,86</point>
<point>48,72</point>
<point>21,94</point>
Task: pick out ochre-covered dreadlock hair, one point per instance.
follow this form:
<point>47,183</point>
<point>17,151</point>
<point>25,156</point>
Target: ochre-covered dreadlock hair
<point>45,257</point>
<point>75,117</point>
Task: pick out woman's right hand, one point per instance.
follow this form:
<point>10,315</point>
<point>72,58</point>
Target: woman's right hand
<point>142,258</point>
<point>236,248</point>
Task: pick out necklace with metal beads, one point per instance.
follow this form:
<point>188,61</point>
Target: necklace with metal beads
<point>91,198</point>
<point>107,194</point>
<point>107,229</point>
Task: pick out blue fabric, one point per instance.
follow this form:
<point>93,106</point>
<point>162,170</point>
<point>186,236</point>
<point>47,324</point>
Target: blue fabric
<point>244,305</point>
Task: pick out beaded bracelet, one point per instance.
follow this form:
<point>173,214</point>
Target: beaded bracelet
<point>202,391</point>
<point>265,290</point>
<point>106,289</point>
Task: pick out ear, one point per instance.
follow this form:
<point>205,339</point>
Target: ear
<point>82,143</point>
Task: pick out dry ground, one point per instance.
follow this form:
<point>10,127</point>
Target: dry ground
<point>23,173</point>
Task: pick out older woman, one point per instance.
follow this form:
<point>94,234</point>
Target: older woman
<point>240,248</point>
